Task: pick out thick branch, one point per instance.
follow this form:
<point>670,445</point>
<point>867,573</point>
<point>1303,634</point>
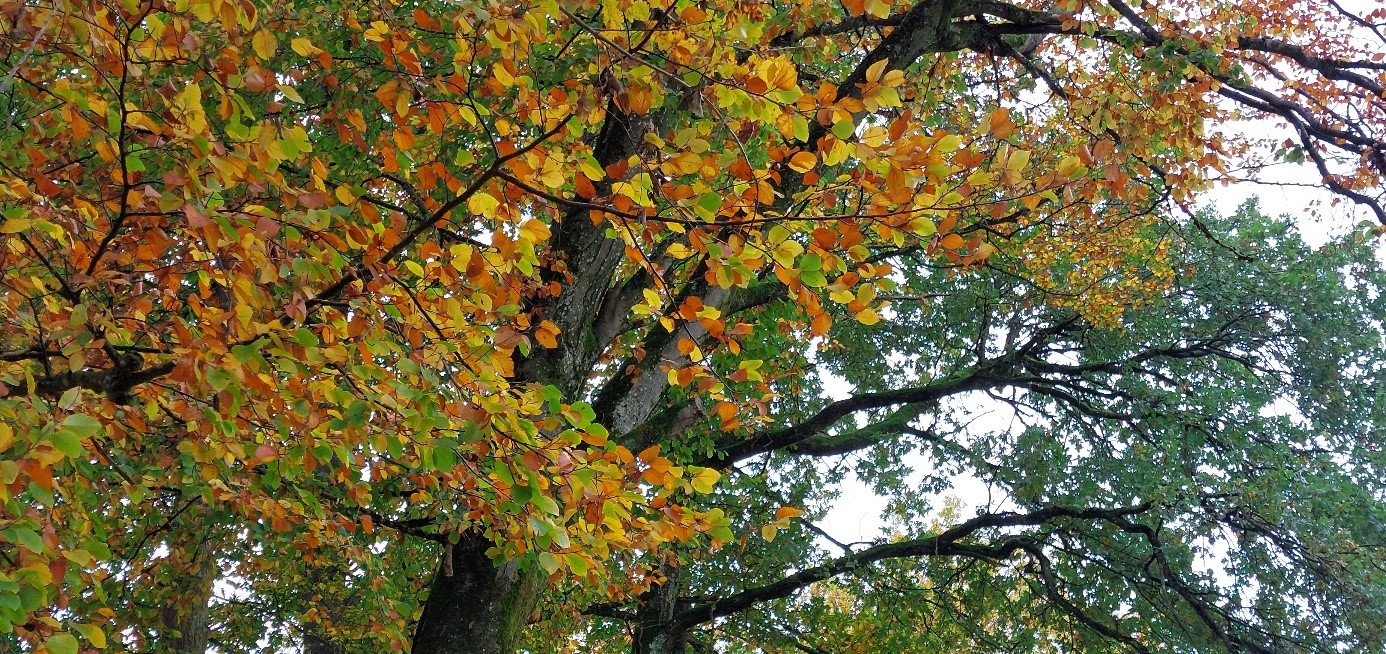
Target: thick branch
<point>946,543</point>
<point>116,383</point>
<point>984,376</point>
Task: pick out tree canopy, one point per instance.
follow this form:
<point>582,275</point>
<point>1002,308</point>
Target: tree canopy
<point>485,326</point>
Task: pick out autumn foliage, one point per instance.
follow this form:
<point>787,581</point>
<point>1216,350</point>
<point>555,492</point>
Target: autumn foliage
<point>337,307</point>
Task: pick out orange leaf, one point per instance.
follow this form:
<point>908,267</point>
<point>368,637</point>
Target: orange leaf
<point>803,162</point>
<point>786,512</point>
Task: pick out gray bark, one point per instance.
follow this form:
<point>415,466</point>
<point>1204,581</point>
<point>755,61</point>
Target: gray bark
<point>185,621</point>
<point>481,607</point>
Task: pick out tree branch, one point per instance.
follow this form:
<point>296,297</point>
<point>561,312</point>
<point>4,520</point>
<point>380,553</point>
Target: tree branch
<point>946,543</point>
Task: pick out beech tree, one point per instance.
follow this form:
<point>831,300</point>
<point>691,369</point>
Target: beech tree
<point>463,326</point>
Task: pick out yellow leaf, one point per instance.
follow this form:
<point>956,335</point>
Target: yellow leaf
<point>704,479</point>
<point>877,8</point>
<point>983,251</point>
<point>534,231</point>
<point>1019,159</point>
<point>868,317</point>
<point>652,298</point>
<point>92,633</point>
<point>1070,166</point>
<point>303,47</point>
<point>41,573</point>
<point>768,532</point>
<point>777,234</point>
<point>680,251</point>
<point>786,252</point>
<point>921,226</point>
<point>264,44</point>
<point>80,557</point>
<point>637,189</point>
<point>873,74</point>
<point>15,225</point>
<point>344,194</point>
<point>503,75</point>
<point>290,93</point>
<point>189,104</point>
<point>482,204</point>
<point>61,643</point>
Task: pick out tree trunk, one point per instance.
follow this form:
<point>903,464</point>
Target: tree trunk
<point>186,618</point>
<point>321,579</point>
<point>314,642</point>
<point>477,605</point>
<point>479,608</point>
<point>656,631</point>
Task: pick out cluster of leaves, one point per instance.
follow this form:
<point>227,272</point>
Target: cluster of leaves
<point>409,288</point>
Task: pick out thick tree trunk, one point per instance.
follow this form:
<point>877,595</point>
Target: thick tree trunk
<point>186,618</point>
<point>481,606</point>
<point>477,605</point>
<point>656,632</point>
<point>322,579</point>
<point>315,643</point>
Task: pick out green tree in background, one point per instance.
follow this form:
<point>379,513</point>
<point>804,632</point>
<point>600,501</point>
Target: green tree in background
<point>1203,476</point>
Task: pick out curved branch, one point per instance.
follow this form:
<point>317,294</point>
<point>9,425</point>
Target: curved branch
<point>946,543</point>
<point>981,377</point>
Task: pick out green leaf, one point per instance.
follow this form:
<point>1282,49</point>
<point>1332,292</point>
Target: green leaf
<point>444,454</point>
<point>577,563</point>
<point>844,129</point>
<point>61,643</point>
<point>305,337</point>
<point>68,442</point>
<point>545,504</point>
<point>26,537</point>
<point>704,480</point>
<point>707,206</point>
<point>82,424</point>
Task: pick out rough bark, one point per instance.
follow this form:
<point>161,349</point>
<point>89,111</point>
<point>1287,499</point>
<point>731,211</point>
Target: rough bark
<point>328,609</point>
<point>656,631</point>
<point>186,618</point>
<point>481,606</point>
<point>314,642</point>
